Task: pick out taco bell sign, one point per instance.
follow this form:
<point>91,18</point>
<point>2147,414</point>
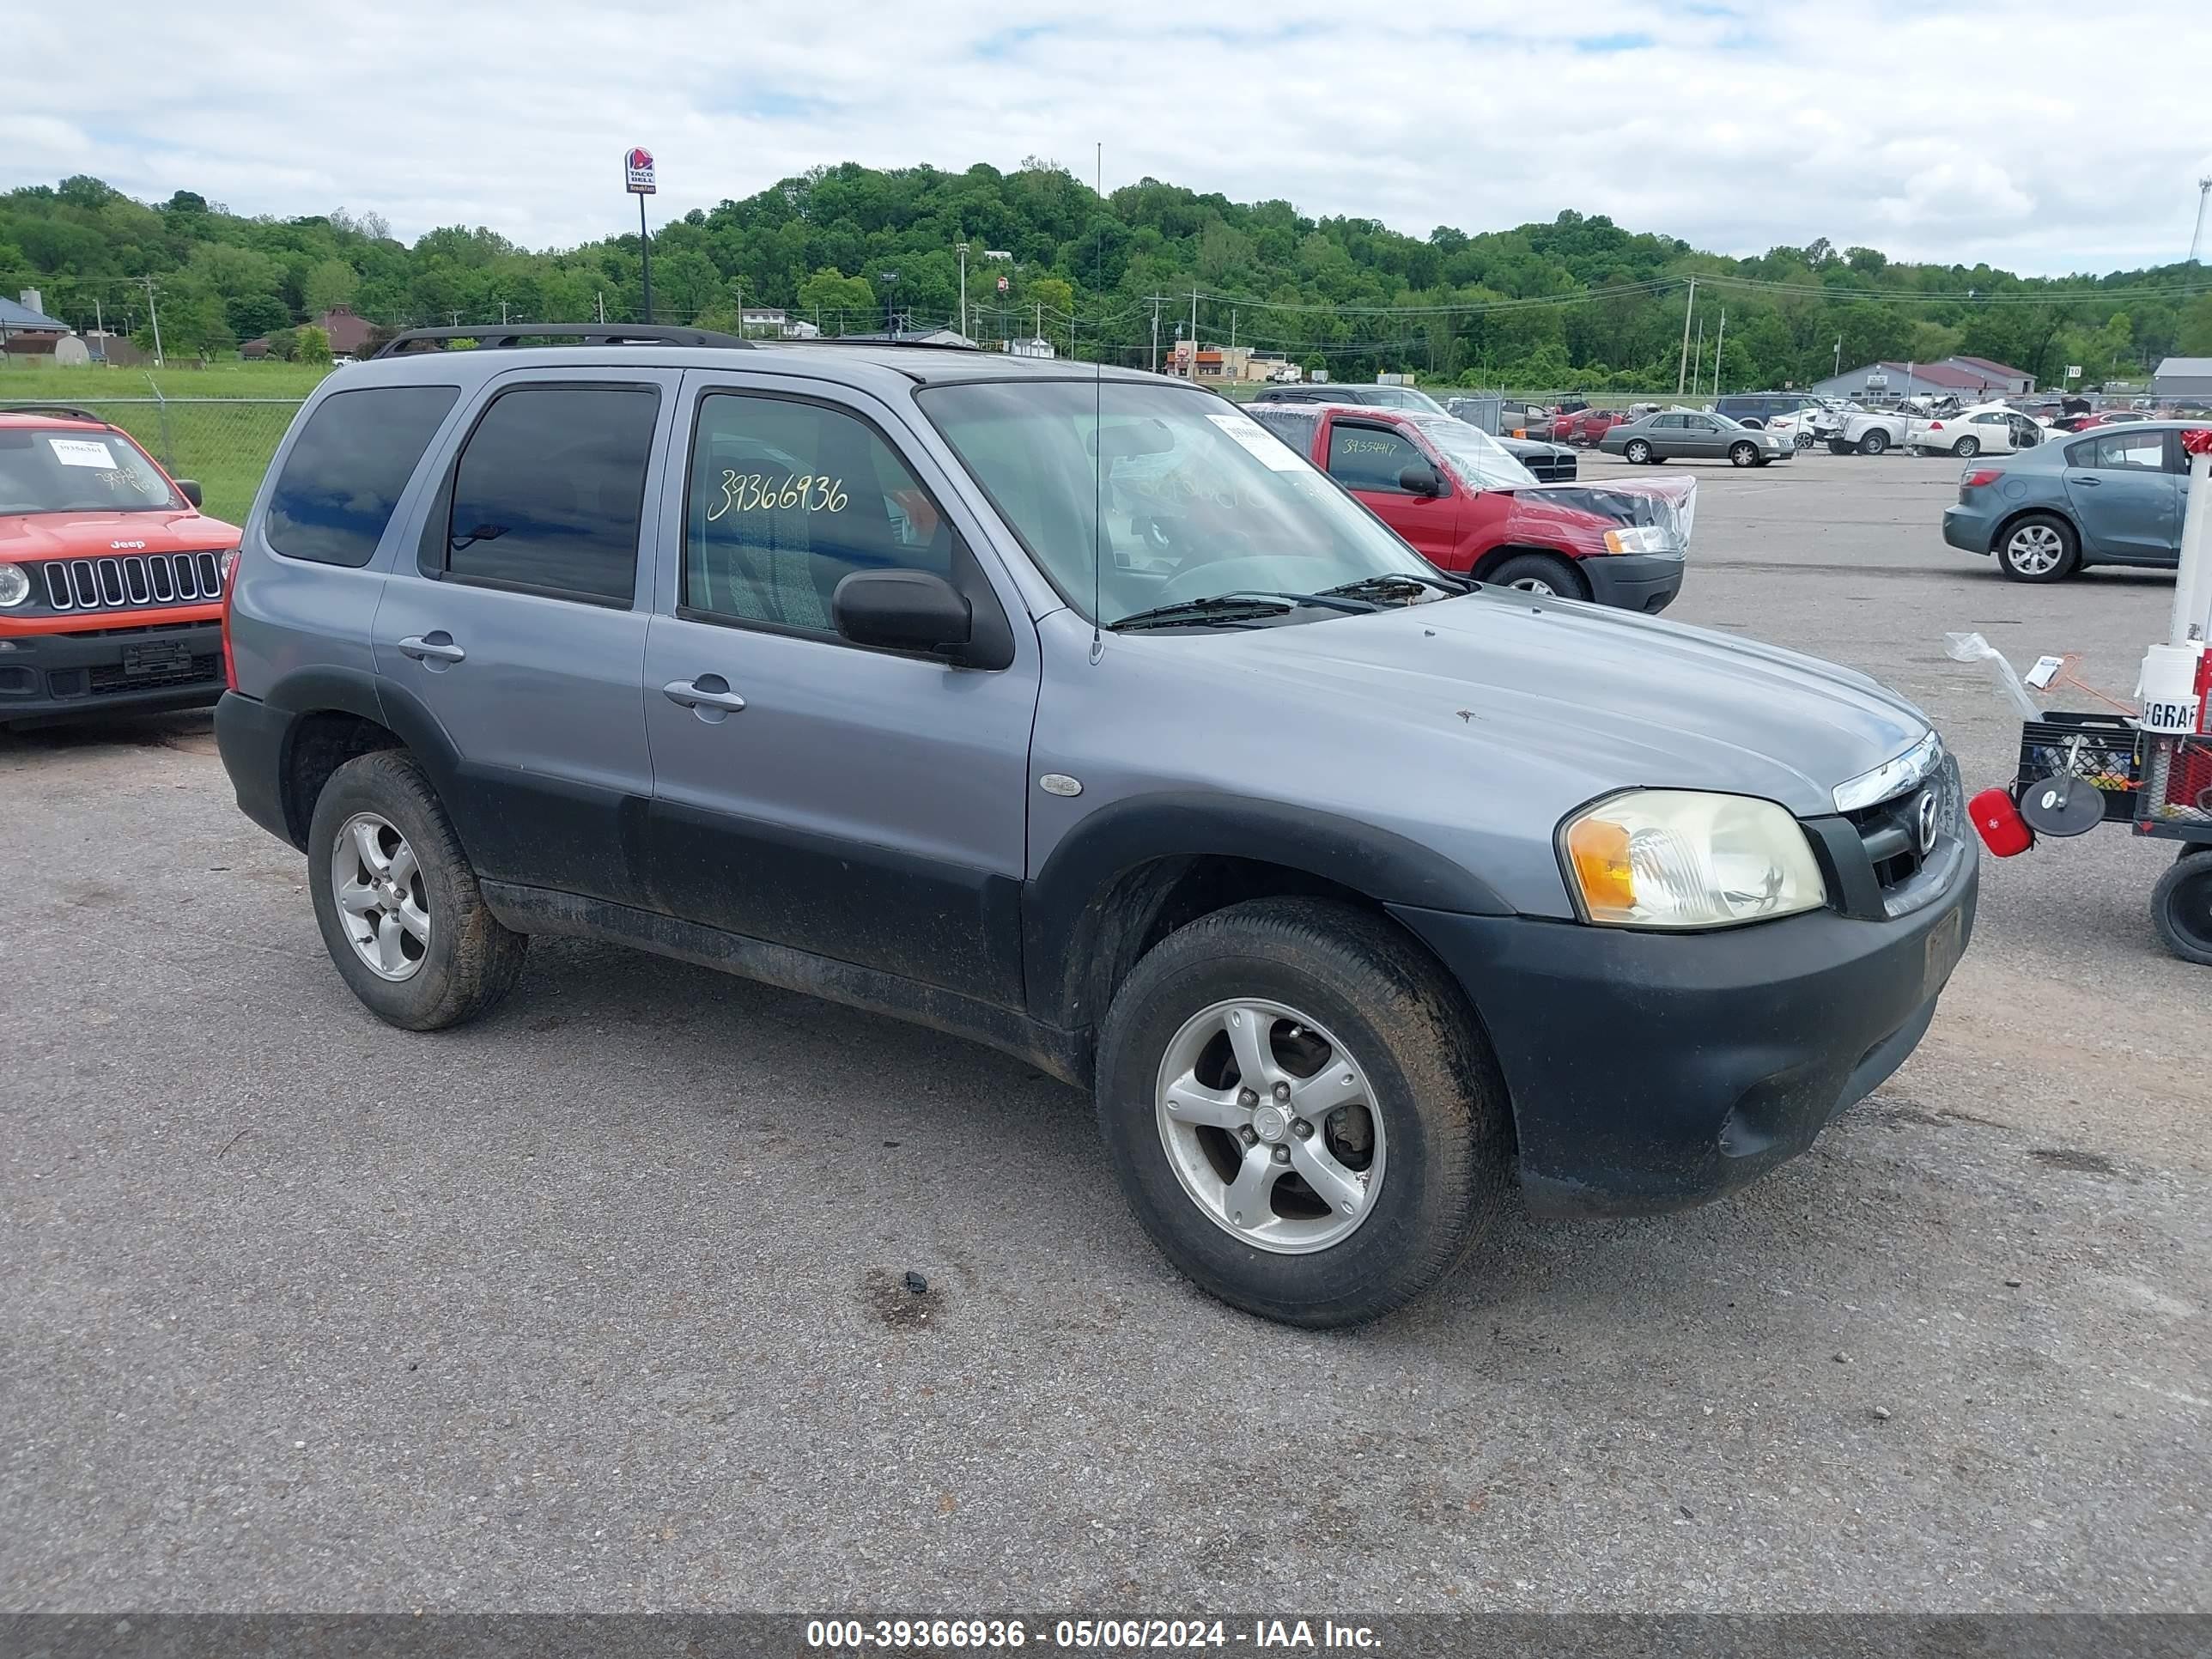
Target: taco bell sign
<point>637,172</point>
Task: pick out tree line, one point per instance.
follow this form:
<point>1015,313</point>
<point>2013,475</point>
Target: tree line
<point>1577,303</point>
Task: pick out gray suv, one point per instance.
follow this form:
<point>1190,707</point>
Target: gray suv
<point>1071,711</point>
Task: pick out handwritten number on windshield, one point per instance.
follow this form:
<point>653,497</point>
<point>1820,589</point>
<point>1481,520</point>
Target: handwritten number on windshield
<point>758,492</point>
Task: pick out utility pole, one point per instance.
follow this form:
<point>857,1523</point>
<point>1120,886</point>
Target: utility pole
<point>1682,372</point>
<point>1193,332</point>
<point>599,299</point>
<point>2203,195</point>
<point>1156,334</point>
<point>1717,352</point>
<point>153,316</point>
<point>890,279</point>
<point>961,248</point>
<point>1697,361</point>
<point>1840,357</point>
<point>502,314</point>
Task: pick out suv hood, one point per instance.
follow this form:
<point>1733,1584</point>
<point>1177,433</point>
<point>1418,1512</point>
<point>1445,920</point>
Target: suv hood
<point>1576,700</point>
<point>28,536</point>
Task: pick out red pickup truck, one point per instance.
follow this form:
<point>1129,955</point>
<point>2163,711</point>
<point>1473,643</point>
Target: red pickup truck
<point>1467,506</point>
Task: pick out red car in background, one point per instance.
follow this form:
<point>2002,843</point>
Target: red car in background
<point>1467,506</point>
<point>1585,427</point>
<point>111,581</point>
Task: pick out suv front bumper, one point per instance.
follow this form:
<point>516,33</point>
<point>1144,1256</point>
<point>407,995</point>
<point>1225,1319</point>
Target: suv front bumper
<point>1651,1071</point>
<point>1633,581</point>
<point>51,677</point>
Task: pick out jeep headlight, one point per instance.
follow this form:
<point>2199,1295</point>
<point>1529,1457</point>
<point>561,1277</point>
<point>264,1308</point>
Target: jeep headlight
<point>15,586</point>
<point>1640,538</point>
<point>1672,858</point>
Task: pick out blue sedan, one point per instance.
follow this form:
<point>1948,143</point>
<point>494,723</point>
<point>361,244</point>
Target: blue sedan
<point>2112,495</point>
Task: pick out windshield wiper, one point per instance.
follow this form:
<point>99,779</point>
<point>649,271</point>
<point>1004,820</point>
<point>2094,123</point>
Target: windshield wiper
<point>1397,581</point>
<point>1236,607</point>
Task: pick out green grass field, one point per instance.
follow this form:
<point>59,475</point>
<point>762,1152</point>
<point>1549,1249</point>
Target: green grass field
<point>211,430</point>
<point>235,380</point>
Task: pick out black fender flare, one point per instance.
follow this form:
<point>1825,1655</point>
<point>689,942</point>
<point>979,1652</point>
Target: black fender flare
<point>332,689</point>
<point>1067,937</point>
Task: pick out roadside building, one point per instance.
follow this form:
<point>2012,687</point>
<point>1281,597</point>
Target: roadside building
<point>26,330</point>
<point>2183,377</point>
<point>1978,377</point>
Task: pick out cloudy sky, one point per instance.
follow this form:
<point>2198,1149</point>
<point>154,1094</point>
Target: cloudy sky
<point>2043,137</point>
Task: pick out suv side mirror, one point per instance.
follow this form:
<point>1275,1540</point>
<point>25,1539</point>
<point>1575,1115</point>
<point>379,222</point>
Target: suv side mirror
<point>189,489</point>
<point>902,610</point>
<point>1420,479</point>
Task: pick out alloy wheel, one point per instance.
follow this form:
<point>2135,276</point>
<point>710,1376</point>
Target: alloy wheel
<point>2035,550</point>
<point>1271,1126</point>
<point>382,903</point>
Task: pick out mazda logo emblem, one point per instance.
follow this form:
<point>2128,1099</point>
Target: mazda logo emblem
<point>1925,811</point>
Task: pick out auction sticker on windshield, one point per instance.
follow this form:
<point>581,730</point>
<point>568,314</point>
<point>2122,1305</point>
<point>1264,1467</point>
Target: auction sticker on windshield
<point>80,451</point>
<point>1274,453</point>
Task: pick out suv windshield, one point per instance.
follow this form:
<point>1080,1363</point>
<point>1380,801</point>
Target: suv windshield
<point>1477,457</point>
<point>1200,498</point>
<point>78,470</point>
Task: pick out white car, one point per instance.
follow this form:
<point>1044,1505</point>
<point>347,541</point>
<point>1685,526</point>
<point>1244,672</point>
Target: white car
<point>1984,429</point>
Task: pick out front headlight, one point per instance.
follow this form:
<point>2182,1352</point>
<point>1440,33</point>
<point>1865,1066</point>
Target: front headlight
<point>15,586</point>
<point>1672,858</point>
<point>1639,539</point>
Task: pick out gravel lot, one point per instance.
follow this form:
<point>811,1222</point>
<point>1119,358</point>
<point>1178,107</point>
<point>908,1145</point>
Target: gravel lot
<point>595,1304</point>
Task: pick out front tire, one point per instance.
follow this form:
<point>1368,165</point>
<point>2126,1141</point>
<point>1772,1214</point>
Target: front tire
<point>1636,453</point>
<point>1743,454</point>
<point>400,911</point>
<point>2181,907</point>
<point>1302,1110</point>
<point>2039,548</point>
<point>1544,574</point>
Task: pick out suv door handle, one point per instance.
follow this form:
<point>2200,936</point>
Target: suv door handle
<point>437,646</point>
<point>708,691</point>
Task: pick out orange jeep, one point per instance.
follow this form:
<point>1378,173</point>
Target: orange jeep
<point>110,580</point>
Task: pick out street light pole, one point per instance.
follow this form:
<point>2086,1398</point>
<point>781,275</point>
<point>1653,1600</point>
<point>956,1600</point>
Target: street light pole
<point>890,279</point>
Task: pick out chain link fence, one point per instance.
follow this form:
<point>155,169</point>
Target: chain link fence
<point>223,444</point>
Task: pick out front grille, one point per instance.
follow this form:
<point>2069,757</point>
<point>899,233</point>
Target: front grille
<point>1555,469</point>
<point>112,677</point>
<point>123,581</point>
<point>1889,830</point>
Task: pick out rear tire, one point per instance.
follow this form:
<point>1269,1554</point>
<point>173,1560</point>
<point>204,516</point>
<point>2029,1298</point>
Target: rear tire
<point>1545,574</point>
<point>2039,548</point>
<point>461,962</point>
<point>2181,906</point>
<point>1334,986</point>
<point>1838,447</point>
<point>1875,442</point>
<point>1636,453</point>
<point>1967,448</point>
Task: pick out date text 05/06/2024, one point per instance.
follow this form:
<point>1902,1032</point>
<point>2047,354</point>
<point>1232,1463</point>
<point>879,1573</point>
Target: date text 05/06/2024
<point>838,1635</point>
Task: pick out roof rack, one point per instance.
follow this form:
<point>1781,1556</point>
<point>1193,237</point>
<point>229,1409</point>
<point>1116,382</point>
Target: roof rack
<point>66,410</point>
<point>501,336</point>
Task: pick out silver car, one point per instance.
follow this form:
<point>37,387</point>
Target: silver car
<point>1692,434</point>
<point>1073,712</point>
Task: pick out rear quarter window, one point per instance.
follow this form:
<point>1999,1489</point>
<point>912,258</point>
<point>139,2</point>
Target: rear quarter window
<point>345,472</point>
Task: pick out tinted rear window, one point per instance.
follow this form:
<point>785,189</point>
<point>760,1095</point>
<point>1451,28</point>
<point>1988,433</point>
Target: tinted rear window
<point>550,490</point>
<point>343,477</point>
